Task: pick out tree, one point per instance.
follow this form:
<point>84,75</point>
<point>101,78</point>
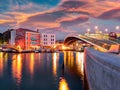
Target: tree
<point>1,38</point>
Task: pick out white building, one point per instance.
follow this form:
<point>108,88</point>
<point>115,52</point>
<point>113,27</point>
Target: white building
<point>12,37</point>
<point>48,39</point>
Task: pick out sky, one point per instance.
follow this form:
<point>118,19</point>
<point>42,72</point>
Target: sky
<point>60,16</point>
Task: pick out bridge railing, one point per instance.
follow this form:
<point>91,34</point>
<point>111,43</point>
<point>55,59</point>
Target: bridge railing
<point>95,41</point>
<point>10,46</point>
<point>102,70</point>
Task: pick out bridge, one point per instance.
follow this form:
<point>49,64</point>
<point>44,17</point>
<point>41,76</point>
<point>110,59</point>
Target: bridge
<point>101,44</point>
<point>12,47</point>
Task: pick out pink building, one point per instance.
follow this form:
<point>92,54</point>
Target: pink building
<point>27,39</point>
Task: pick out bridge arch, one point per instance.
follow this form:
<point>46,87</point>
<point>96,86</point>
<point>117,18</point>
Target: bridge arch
<point>84,39</point>
<point>70,39</point>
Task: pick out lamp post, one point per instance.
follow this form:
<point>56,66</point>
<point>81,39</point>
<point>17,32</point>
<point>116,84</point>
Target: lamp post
<point>117,28</point>
<point>88,30</point>
<point>106,33</point>
<point>106,30</point>
<point>96,29</point>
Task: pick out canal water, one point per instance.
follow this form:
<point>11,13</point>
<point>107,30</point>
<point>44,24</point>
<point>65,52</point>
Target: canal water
<point>42,71</point>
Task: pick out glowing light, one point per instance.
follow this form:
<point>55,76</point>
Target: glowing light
<point>96,27</point>
<point>63,47</point>
<point>76,44</point>
<point>55,63</point>
<point>117,27</point>
<point>1,63</point>
<point>17,68</point>
<point>106,30</point>
<point>19,48</point>
<point>80,63</point>
<point>54,46</point>
<point>88,30</point>
<point>63,85</point>
<point>32,63</point>
<point>100,32</point>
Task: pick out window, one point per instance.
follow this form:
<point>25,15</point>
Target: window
<point>33,43</point>
<point>45,43</point>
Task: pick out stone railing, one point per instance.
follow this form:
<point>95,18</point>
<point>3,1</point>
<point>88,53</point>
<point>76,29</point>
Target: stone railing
<point>102,70</point>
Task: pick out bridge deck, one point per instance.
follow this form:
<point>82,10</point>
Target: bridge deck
<point>104,44</point>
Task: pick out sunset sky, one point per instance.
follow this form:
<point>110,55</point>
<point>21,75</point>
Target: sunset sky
<point>60,16</point>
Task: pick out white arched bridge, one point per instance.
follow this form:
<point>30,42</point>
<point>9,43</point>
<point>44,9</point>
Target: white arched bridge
<point>101,44</point>
<point>12,47</point>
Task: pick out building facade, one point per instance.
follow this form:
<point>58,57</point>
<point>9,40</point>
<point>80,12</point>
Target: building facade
<point>12,37</point>
<point>32,40</point>
<point>27,39</point>
<point>48,39</point>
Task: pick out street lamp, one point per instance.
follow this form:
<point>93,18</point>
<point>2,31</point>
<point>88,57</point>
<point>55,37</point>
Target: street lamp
<point>117,27</point>
<point>106,30</point>
<point>88,30</point>
<point>96,29</point>
<point>100,32</point>
<point>106,35</point>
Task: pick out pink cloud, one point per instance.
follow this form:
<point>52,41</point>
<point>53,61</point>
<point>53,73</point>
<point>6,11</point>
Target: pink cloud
<point>111,14</point>
<point>75,21</point>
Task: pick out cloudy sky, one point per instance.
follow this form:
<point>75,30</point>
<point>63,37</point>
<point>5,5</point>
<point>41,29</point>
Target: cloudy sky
<point>60,16</point>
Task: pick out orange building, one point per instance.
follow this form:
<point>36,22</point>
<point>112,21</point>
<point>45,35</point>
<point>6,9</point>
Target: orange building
<point>27,39</point>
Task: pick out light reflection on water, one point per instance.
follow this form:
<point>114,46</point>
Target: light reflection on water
<point>17,68</point>
<point>55,58</point>
<point>63,85</point>
<point>1,64</point>
<point>31,64</point>
<point>80,63</point>
<point>42,71</point>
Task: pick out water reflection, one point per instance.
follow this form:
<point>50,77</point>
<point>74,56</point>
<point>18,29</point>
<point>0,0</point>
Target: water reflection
<point>42,71</point>
<point>1,64</point>
<point>17,68</point>
<point>31,64</point>
<point>63,84</point>
<point>79,63</point>
<point>74,63</point>
<point>55,58</point>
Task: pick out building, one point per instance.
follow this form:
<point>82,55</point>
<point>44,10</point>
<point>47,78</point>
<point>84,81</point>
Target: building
<point>12,37</point>
<point>32,40</point>
<point>48,39</point>
<point>27,39</point>
<point>24,38</point>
